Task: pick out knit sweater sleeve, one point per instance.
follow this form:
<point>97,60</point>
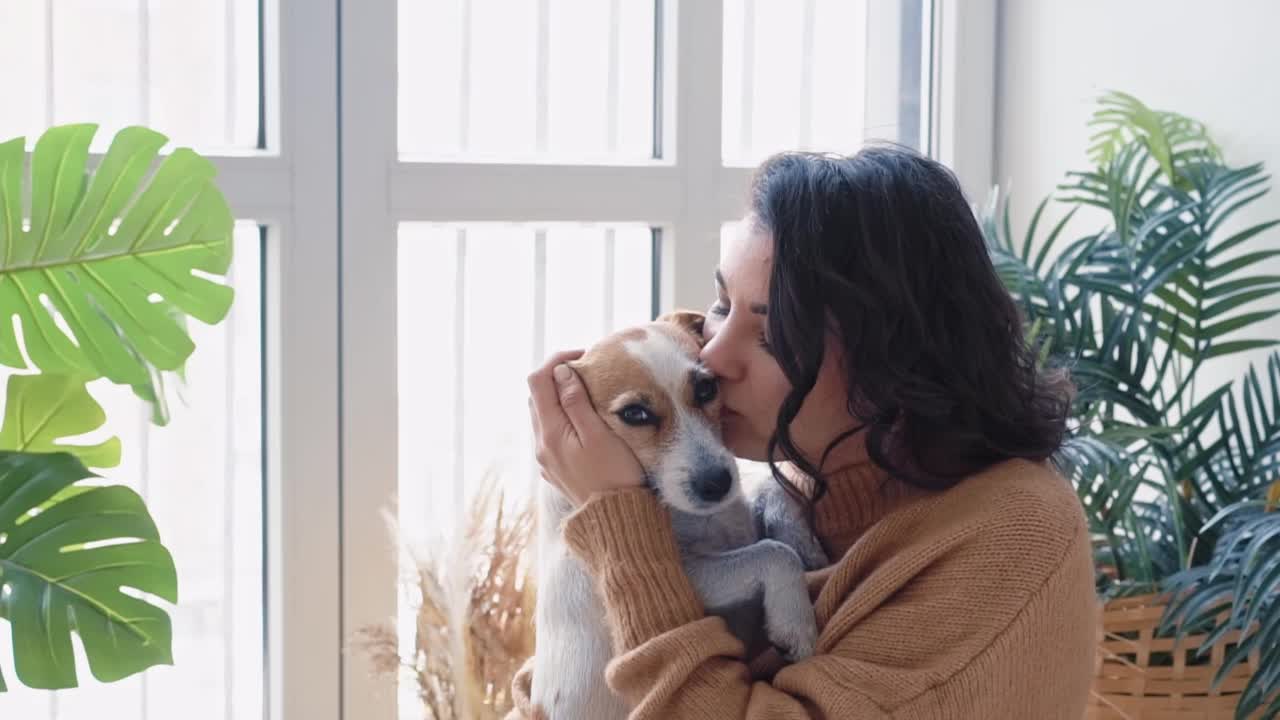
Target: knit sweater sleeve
<point>674,662</point>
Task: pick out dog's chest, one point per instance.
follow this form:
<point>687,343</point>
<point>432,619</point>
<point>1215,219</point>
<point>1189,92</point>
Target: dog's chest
<point>730,528</point>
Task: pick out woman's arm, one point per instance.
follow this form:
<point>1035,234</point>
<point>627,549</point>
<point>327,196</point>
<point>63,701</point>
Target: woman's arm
<point>672,660</point>
<point>659,626</point>
<point>977,602</point>
<point>926,620</point>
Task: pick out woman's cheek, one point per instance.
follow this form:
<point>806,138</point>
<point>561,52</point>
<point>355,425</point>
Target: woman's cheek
<point>742,438</point>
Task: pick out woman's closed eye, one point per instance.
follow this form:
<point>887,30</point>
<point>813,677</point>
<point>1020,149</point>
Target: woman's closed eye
<point>764,343</point>
<point>720,308</point>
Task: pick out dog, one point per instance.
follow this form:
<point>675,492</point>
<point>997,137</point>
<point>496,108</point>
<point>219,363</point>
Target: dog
<point>649,387</point>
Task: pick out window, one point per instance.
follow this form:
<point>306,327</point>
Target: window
<point>561,168</point>
<point>227,479</point>
<point>820,75</point>
<point>442,192</point>
<point>188,68</point>
<point>569,80</point>
<point>479,305</point>
<point>557,100</point>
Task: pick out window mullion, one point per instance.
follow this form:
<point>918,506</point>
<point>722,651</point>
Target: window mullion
<point>48,64</point>
<point>449,192</point>
<point>964,92</point>
<point>542,89</point>
<point>692,249</point>
<point>301,357</point>
<point>260,188</point>
<point>368,305</point>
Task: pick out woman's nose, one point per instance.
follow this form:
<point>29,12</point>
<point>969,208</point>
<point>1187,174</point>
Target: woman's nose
<point>718,356</point>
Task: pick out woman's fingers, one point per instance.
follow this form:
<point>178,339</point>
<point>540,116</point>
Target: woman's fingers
<point>576,403</point>
<point>549,419</point>
<point>575,450</point>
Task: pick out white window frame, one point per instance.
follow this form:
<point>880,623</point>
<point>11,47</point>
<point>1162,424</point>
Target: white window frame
<point>332,189</point>
<point>687,196</point>
<point>964,92</point>
<point>292,188</point>
<point>687,199</point>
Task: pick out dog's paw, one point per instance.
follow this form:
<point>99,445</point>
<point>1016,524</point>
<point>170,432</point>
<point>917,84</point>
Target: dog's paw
<point>790,624</point>
<point>795,640</point>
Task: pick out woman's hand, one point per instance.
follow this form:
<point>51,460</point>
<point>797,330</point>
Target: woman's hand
<point>577,452</point>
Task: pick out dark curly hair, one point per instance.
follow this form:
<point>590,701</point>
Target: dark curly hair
<point>882,249</point>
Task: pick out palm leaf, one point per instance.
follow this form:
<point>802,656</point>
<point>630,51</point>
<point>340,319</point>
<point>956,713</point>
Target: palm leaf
<point>1247,449</point>
<point>108,258</point>
<point>1107,479</point>
<point>1135,310</point>
<point>63,563</point>
<point>1172,139</point>
<point>1220,290</point>
<point>1166,237</point>
<point>1246,573</point>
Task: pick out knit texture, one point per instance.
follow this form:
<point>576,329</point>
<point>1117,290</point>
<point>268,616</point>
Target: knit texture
<point>974,602</point>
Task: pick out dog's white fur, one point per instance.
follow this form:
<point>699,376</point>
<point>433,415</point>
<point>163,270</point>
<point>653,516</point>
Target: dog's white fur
<point>756,584</point>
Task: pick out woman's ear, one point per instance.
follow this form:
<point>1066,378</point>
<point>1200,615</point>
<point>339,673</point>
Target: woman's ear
<point>688,320</point>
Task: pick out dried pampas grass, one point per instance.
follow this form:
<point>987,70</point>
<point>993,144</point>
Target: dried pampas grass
<point>474,601</point>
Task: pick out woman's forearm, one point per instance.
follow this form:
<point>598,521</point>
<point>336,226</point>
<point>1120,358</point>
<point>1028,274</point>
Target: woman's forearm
<point>672,661</point>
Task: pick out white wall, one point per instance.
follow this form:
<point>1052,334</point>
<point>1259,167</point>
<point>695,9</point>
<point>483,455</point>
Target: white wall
<point>1216,61</point>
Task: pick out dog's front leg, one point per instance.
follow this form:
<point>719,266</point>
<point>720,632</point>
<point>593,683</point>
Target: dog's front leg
<point>768,572</point>
<point>573,643</point>
<point>781,517</point>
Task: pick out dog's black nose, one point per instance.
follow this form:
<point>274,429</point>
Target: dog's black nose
<point>712,485</point>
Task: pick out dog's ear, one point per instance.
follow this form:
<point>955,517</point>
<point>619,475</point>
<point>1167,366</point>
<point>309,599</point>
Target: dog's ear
<point>688,320</point>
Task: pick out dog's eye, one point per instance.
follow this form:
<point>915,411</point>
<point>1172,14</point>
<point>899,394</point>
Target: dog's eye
<point>637,415</point>
<point>704,391</point>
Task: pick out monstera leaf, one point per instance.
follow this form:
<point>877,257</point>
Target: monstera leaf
<point>65,562</point>
<point>41,409</point>
<point>103,266</point>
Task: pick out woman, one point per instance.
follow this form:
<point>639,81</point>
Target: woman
<point>867,350</point>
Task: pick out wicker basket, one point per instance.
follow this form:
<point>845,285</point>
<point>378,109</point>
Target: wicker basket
<point>1142,677</point>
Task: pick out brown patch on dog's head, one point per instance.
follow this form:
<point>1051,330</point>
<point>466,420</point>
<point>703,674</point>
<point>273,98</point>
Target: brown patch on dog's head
<point>621,385</point>
<point>650,388</point>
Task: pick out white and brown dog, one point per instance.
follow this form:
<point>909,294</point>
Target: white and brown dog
<point>648,386</point>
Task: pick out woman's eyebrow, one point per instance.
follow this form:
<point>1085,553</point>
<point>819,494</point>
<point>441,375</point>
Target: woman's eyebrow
<point>756,308</point>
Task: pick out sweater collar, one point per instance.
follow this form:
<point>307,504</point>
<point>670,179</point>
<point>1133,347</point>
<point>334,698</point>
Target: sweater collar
<point>857,497</point>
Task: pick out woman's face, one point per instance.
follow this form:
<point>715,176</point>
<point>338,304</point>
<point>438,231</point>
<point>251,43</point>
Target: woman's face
<point>752,385</point>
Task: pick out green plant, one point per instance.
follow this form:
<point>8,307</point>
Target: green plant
<point>1172,475</point>
<point>98,275</point>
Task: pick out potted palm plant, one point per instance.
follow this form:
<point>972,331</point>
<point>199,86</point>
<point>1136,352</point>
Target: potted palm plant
<point>98,275</point>
<point>1176,471</point>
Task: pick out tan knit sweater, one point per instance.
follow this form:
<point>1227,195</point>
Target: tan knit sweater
<point>976,602</point>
